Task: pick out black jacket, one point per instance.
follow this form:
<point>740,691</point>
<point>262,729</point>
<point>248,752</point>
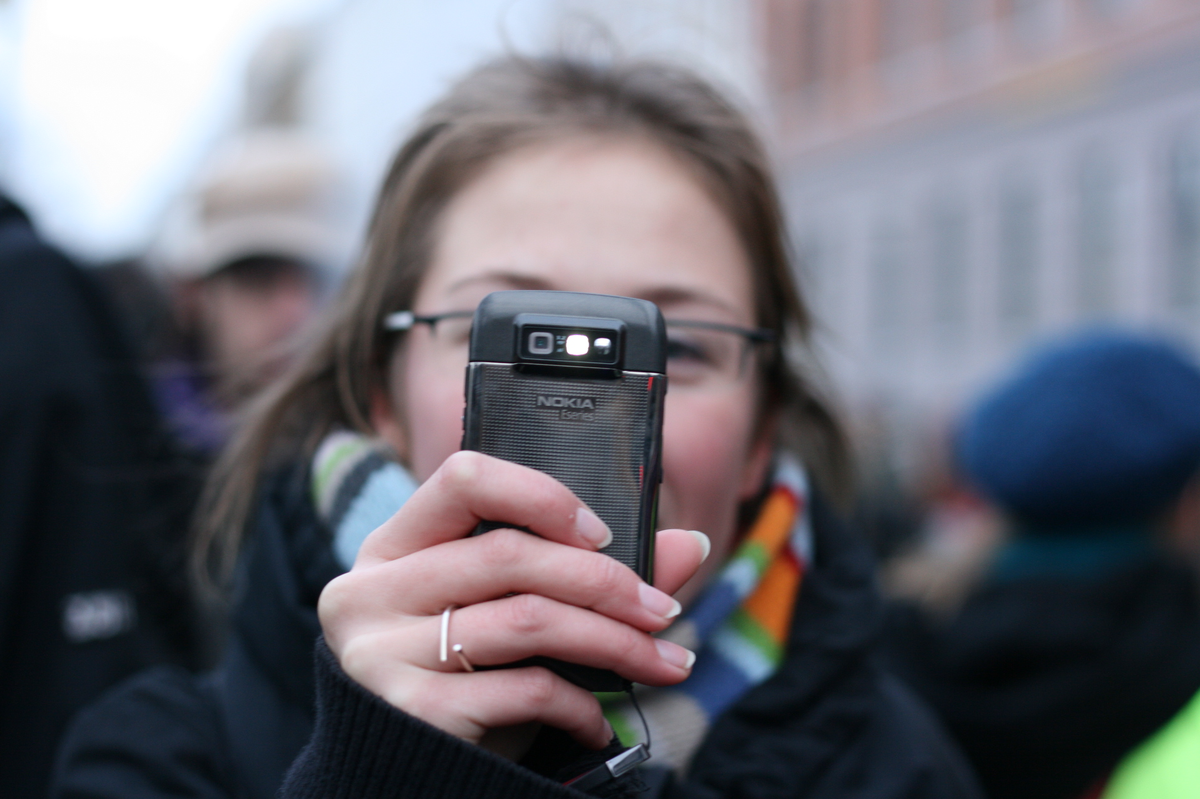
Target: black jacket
<point>92,510</point>
<point>829,723</point>
<point>1047,682</point>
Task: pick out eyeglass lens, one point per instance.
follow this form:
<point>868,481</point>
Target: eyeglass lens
<point>696,357</point>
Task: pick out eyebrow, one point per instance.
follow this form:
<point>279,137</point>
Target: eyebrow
<point>517,280</point>
<point>667,295</point>
<point>660,295</point>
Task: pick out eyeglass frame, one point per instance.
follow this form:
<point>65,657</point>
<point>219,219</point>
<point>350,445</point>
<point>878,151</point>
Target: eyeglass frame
<point>401,321</point>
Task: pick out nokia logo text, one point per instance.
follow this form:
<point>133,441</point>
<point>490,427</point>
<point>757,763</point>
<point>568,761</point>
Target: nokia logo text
<point>581,403</point>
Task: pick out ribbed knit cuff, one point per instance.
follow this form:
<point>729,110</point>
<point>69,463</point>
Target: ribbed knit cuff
<point>362,747</point>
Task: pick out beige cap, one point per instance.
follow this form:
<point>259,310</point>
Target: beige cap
<point>268,192</point>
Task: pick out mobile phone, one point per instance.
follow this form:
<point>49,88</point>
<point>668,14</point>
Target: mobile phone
<point>573,385</point>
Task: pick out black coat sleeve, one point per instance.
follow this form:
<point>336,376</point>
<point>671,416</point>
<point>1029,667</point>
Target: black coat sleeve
<point>155,736</point>
<point>363,748</point>
<point>893,750</point>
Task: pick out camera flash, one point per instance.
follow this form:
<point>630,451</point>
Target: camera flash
<point>577,344</point>
<point>603,346</point>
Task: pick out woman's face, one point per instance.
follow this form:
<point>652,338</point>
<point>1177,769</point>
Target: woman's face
<point>607,216</point>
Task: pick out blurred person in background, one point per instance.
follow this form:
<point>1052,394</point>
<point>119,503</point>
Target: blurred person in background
<point>94,500</point>
<point>1082,637</point>
<point>343,510</point>
<point>242,261</point>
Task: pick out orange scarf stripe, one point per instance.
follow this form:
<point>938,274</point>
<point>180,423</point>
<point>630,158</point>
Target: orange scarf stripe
<point>774,521</point>
<point>772,603</point>
<point>774,599</point>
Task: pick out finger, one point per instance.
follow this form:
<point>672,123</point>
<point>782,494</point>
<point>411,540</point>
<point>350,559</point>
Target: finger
<point>677,555</point>
<point>467,705</point>
<point>473,570</point>
<point>512,629</point>
<point>470,487</point>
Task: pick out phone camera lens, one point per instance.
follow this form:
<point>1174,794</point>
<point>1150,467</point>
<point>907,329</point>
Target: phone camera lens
<point>541,343</point>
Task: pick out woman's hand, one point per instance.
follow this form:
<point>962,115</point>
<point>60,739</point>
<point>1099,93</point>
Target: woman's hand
<point>518,595</point>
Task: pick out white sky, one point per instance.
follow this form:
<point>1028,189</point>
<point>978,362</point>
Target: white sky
<point>108,104</point>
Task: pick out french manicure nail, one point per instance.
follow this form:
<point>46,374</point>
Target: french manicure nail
<point>591,529</point>
<point>675,654</point>
<point>658,602</point>
<point>704,542</point>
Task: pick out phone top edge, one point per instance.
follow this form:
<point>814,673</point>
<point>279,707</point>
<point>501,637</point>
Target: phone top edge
<point>643,337</point>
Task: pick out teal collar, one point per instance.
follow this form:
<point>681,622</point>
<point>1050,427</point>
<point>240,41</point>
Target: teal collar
<point>1071,553</point>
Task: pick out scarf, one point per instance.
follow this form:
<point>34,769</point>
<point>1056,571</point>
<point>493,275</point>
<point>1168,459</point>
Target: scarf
<point>356,486</point>
<point>738,627</point>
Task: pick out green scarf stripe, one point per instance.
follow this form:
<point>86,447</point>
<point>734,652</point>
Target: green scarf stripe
<point>331,463</point>
<point>754,634</point>
<point>753,551</point>
<point>627,734</point>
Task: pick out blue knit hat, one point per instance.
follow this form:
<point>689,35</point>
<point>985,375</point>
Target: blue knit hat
<point>1101,428</point>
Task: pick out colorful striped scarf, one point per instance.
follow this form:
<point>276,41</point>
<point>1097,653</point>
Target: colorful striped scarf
<point>738,628</point>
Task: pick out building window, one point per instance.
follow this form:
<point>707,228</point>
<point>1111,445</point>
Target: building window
<point>1183,214</point>
<point>800,45</point>
<point>1109,9</point>
<point>814,43</point>
<point>949,262</point>
<point>899,27</point>
<point>1098,222</point>
<point>957,16</point>
<point>888,288</point>
<point>1036,22</point>
<point>818,272</point>
<point>1019,258</point>
<point>959,24</point>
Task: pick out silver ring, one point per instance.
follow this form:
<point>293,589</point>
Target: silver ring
<point>462,658</point>
<point>444,647</point>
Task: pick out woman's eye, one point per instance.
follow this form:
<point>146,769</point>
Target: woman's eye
<point>682,350</point>
<point>453,332</point>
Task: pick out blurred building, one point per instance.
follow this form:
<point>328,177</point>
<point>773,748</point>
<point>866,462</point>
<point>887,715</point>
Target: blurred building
<point>966,175</point>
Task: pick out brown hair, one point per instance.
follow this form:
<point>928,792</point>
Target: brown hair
<point>497,108</point>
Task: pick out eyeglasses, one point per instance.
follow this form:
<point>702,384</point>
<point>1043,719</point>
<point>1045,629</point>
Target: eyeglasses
<point>700,355</point>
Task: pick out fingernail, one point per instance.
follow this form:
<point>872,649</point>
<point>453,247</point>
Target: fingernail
<point>704,542</point>
<point>611,732</point>
<point>675,654</point>
<point>591,529</point>
<point>658,602</point>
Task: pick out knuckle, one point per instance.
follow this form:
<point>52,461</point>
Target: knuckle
<point>461,469</point>
<point>332,603</point>
<point>629,645</point>
<point>528,614</point>
<point>609,576</point>
<point>552,499</point>
<point>538,688</point>
<point>504,548</point>
<point>355,656</point>
<point>340,602</point>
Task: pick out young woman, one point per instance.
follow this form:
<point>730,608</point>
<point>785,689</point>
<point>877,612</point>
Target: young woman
<point>546,174</point>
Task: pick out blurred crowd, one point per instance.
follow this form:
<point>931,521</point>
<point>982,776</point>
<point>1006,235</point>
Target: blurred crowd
<point>120,385</point>
<point>1042,574</point>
